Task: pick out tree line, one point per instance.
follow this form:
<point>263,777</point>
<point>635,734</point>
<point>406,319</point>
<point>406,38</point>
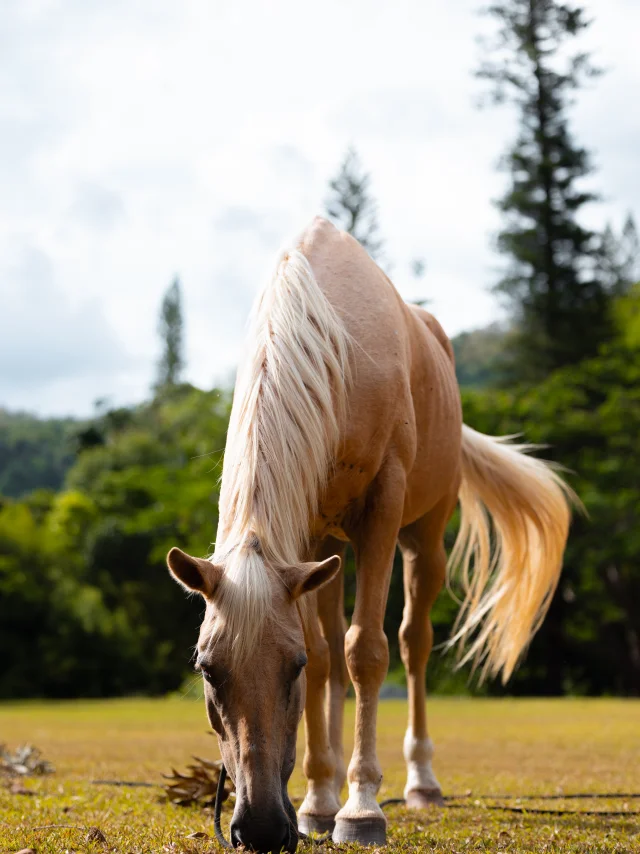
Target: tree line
<point>86,605</point>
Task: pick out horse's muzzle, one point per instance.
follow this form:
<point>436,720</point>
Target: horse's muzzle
<point>263,831</point>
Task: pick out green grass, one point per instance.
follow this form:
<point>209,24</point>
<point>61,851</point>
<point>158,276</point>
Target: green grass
<point>482,747</point>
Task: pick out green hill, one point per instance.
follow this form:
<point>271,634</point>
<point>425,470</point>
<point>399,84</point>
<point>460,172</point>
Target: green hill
<point>34,452</point>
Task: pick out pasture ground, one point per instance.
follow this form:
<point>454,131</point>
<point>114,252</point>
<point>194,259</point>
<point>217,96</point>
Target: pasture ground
<point>482,746</point>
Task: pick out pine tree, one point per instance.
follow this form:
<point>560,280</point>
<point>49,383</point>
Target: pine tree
<point>170,328</point>
<point>351,206</point>
<point>554,280</point>
<point>620,257</point>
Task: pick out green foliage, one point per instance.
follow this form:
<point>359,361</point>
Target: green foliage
<point>561,275</point>
<point>481,355</point>
<point>34,453</point>
<point>84,592</point>
<point>61,635</point>
<point>351,206</point>
<point>170,327</point>
<point>627,315</point>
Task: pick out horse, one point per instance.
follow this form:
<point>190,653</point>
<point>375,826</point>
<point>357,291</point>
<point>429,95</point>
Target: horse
<point>346,427</point>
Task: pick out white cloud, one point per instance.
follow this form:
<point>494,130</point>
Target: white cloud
<point>97,207</point>
<point>140,139</point>
<point>43,339</point>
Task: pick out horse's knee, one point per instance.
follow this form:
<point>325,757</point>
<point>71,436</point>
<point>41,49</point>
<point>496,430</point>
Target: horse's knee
<point>367,654</point>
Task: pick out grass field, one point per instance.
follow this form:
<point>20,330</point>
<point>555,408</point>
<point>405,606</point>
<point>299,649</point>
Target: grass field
<point>482,746</point>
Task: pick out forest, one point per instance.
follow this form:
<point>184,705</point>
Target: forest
<point>88,509</point>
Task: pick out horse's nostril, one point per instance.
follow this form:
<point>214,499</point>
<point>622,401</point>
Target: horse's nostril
<point>285,839</point>
<point>241,836</point>
<point>235,837</point>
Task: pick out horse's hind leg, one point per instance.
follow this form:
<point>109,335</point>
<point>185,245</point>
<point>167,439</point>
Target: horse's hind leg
<point>424,562</point>
<point>322,762</point>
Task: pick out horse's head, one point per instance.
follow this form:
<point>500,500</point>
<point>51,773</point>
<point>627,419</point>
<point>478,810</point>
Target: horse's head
<point>255,697</point>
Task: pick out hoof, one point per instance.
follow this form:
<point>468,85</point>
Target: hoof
<point>316,823</point>
<point>366,831</point>
<point>424,799</point>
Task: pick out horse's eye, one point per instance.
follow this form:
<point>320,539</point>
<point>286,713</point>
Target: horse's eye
<point>300,664</point>
<point>208,674</point>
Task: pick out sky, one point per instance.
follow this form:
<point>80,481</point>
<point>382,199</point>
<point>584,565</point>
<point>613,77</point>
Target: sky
<point>144,139</point>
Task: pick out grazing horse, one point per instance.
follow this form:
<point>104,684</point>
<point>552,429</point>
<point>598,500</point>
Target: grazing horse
<point>346,426</point>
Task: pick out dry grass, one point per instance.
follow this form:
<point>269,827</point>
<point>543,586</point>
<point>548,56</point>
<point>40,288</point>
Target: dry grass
<point>510,747</point>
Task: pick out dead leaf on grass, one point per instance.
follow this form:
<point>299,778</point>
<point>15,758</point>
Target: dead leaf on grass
<point>95,835</point>
<point>24,761</point>
<point>197,834</point>
<point>198,785</point>
<point>17,787</point>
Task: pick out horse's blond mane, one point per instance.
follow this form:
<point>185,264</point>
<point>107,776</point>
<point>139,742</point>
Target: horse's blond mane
<point>288,411</point>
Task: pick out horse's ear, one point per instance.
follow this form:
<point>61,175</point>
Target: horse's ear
<point>193,573</point>
<point>304,577</point>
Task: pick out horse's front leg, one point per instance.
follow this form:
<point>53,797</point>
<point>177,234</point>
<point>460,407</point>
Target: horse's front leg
<point>321,803</point>
<point>331,613</point>
<point>367,652</point>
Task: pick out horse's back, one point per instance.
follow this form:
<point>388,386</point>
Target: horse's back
<point>404,395</point>
<point>362,295</point>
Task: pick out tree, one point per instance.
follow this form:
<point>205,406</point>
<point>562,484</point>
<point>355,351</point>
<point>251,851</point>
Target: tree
<point>170,328</point>
<point>620,257</point>
<point>554,280</point>
<point>351,206</point>
<point>34,452</point>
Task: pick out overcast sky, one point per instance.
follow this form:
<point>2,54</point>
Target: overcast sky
<point>140,139</point>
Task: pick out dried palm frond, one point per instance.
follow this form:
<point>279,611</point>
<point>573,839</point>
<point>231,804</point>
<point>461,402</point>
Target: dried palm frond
<point>25,761</point>
<point>198,785</point>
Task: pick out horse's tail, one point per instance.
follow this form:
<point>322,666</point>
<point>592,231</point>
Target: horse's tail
<point>514,522</point>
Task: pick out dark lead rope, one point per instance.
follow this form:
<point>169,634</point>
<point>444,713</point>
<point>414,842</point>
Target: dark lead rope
<point>222,779</point>
<point>393,801</point>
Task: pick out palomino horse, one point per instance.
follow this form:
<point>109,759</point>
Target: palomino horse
<point>346,427</point>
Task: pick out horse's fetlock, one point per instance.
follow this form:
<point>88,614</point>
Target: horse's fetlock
<point>319,768</point>
<point>365,772</point>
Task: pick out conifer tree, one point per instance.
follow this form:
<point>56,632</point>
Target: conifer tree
<point>620,262</point>
<point>352,207</point>
<point>554,280</point>
<point>170,328</point>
